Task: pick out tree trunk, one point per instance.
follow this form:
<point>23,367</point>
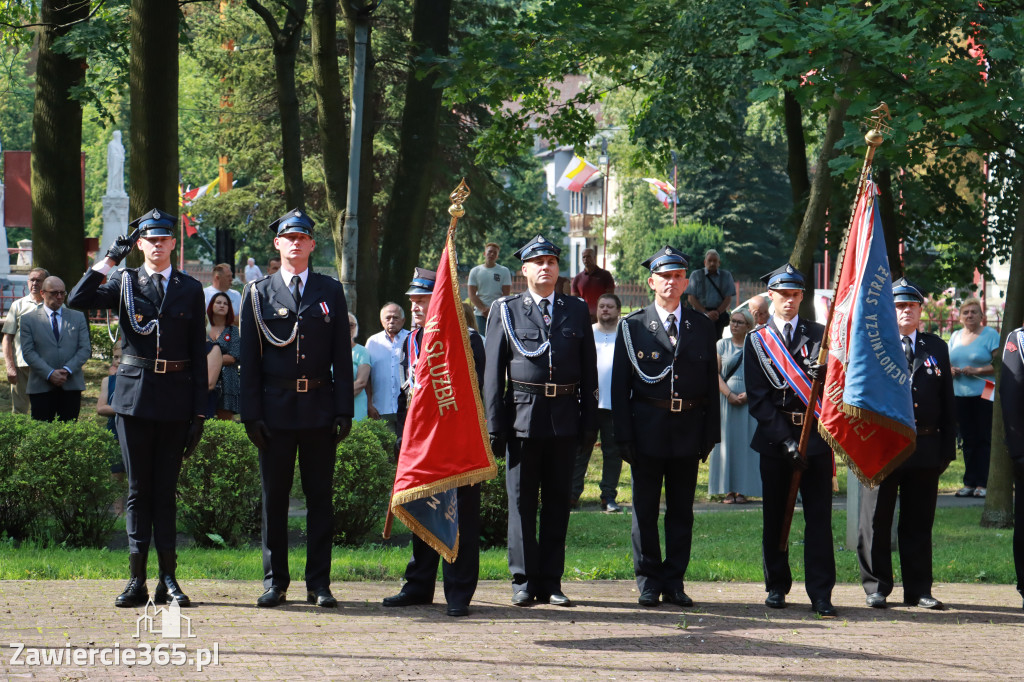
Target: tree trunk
<point>416,172</point>
<point>153,87</point>
<point>999,498</point>
<point>890,226</point>
<point>330,114</point>
<point>796,156</point>
<point>58,222</point>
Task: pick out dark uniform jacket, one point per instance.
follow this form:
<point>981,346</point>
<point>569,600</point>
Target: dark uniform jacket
<point>934,409</point>
<point>573,359</point>
<point>1011,395</point>
<point>143,393</point>
<point>769,405</point>
<point>655,430</point>
<point>321,348</point>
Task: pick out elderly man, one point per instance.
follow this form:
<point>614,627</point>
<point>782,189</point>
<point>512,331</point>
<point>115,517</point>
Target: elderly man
<point>758,307</point>
<point>387,350</point>
<point>55,344</point>
<point>17,368</point>
<point>710,291</point>
<point>222,278</point>
<point>591,282</point>
<point>252,271</point>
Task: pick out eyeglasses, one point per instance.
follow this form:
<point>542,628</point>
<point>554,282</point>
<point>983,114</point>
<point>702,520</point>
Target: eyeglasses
<point>737,321</point>
<point>62,292</point>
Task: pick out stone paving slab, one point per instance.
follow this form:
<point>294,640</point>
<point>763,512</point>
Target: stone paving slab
<point>728,635</point>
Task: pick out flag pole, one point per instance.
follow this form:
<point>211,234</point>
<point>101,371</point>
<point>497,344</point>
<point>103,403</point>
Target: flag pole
<point>874,139</point>
<point>456,211</point>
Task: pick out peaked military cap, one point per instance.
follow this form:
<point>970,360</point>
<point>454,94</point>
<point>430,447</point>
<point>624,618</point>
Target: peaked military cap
<point>294,220</point>
<point>422,282</point>
<point>665,260</point>
<point>786,277</point>
<point>155,223</point>
<point>904,290</point>
<point>538,246</point>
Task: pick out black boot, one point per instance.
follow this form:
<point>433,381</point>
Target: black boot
<point>166,582</point>
<point>135,592</point>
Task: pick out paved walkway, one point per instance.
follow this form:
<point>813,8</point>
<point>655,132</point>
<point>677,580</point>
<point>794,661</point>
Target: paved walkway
<point>729,635</point>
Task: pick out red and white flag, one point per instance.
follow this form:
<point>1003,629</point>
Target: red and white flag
<point>576,174</point>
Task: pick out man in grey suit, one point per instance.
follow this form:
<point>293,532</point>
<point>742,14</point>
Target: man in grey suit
<point>55,344</point>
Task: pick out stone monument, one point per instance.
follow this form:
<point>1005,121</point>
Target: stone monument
<point>115,201</point>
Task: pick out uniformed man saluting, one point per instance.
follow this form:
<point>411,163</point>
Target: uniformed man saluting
<point>1011,395</point>
<point>540,392</point>
<point>666,411</point>
<point>780,416</point>
<point>296,396</point>
<point>161,389</point>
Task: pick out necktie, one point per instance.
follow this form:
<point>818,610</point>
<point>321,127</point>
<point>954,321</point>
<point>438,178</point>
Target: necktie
<point>55,319</point>
<point>788,331</point>
<point>158,282</point>
<point>296,283</point>
<point>544,303</point>
<point>908,348</point>
<point>670,327</point>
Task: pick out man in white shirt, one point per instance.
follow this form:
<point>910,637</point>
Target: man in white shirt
<point>487,283</point>
<point>17,368</point>
<point>252,271</point>
<point>222,284</point>
<point>608,309</point>
<point>387,350</point>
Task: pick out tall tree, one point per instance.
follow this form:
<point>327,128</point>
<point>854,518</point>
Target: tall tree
<point>58,223</point>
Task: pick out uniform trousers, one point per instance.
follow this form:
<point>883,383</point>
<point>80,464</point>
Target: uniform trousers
<point>1018,531</point>
<point>819,554</point>
<point>538,475</point>
<point>679,474</point>
<point>917,489</point>
<point>152,451</point>
<point>317,452</point>
<point>56,404</point>
<point>460,576</point>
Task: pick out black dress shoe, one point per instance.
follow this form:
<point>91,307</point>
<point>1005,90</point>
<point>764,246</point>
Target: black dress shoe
<point>134,594</point>
<point>926,601</point>
<point>457,610</point>
<point>678,597</point>
<point>167,587</point>
<point>775,600</point>
<point>274,596</point>
<point>321,596</point>
<point>404,598</point>
<point>649,597</point>
<point>559,599</point>
<point>824,608</point>
<point>876,600</point>
<point>522,598</point>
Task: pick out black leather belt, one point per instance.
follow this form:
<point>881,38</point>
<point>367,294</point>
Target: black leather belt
<point>160,366</point>
<point>794,418</point>
<point>927,430</point>
<point>297,385</point>
<point>546,390</point>
<point>675,404</point>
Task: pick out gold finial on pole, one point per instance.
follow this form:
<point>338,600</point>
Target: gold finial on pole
<point>879,125</point>
<point>458,196</point>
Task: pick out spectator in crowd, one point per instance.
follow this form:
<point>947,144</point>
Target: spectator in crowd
<point>387,350</point>
<point>758,307</point>
<point>711,290</point>
<point>223,331</point>
<point>361,386</point>
<point>467,312</point>
<point>55,343</point>
<point>608,309</point>
<point>591,282</point>
<point>488,282</point>
<point>734,467</point>
<point>252,271</point>
<point>273,265</point>
<point>214,366</point>
<point>17,368</point>
<point>222,278</point>
<point>972,351</point>
<point>104,409</point>
<point>1011,393</point>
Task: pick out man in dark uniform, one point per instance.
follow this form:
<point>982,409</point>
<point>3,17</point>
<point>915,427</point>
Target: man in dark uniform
<point>296,396</point>
<point>780,416</point>
<point>666,411</point>
<point>460,576</point>
<point>540,391</point>
<point>916,481</point>
<point>1011,395</point>
<point>161,391</point>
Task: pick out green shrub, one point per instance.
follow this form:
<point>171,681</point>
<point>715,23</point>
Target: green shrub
<point>494,510</point>
<point>67,464</point>
<point>363,477</point>
<point>19,504</point>
<point>102,346</point>
<point>219,487</point>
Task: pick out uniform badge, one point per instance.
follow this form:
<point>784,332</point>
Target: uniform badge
<point>640,354</point>
<point>540,239</point>
<point>282,311</point>
<point>687,324</point>
<point>138,317</point>
<point>803,351</point>
<point>1011,346</point>
<point>655,355</point>
<point>653,326</point>
<point>789,269</point>
<point>227,338</point>
<point>668,251</point>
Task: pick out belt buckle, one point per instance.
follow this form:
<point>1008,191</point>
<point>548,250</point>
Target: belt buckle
<point>676,405</point>
<point>550,390</point>
<point>798,418</point>
<point>160,366</point>
<point>301,385</point>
